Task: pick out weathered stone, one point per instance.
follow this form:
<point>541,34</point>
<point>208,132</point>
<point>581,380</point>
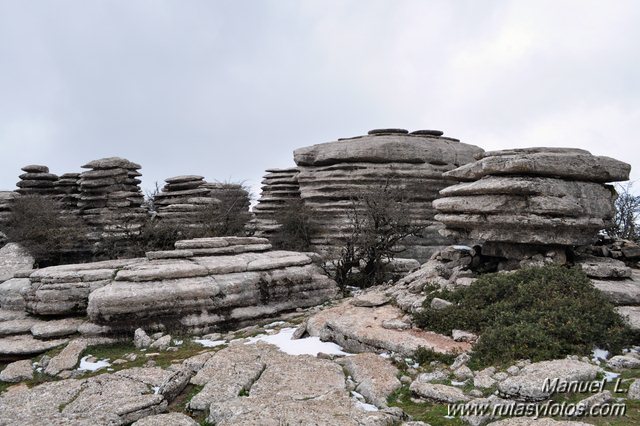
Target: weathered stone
<point>20,346</point>
<point>169,419</point>
<point>11,293</point>
<point>376,377</point>
<point>437,303</point>
<point>631,314</point>
<point>621,292</point>
<point>17,326</point>
<point>483,381</point>
<point>56,328</point>
<point>634,390</point>
<point>35,168</point>
<point>67,359</point>
<point>463,336</point>
<point>529,383</point>
<point>141,340</point>
<point>17,371</point>
<point>162,343</point>
<point>436,392</point>
<point>111,163</point>
<point>621,362</point>
<point>13,258</point>
<point>527,421</point>
<point>604,267</point>
<point>370,299</point>
<point>360,329</point>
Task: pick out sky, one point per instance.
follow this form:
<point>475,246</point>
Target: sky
<point>227,89</point>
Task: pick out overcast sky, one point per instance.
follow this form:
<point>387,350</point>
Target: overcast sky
<point>227,89</point>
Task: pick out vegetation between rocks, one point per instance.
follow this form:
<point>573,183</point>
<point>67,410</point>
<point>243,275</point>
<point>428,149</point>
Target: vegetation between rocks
<point>534,313</point>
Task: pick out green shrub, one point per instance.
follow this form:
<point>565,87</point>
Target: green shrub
<point>534,313</point>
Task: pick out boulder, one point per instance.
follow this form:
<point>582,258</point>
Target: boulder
<point>25,345</point>
<point>528,385</point>
<point>13,258</point>
<point>631,314</point>
<point>621,292</point>
<point>17,371</point>
<point>438,393</point>
<point>603,267</point>
<point>531,196</point>
<point>359,329</point>
<point>67,359</point>
<point>375,376</point>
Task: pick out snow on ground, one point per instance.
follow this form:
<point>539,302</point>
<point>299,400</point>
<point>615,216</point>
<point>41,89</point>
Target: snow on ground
<point>93,366</point>
<point>599,354</point>
<point>360,402</point>
<point>210,343</point>
<point>306,346</point>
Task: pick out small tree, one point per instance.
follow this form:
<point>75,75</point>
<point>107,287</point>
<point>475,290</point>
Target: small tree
<point>230,216</point>
<point>626,220</point>
<point>51,234</point>
<point>378,224</point>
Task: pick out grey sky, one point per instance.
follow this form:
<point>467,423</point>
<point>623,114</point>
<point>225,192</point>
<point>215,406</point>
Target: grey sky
<point>227,89</point>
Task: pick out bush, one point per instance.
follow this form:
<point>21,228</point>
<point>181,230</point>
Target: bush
<point>296,227</point>
<point>535,313</point>
<point>51,234</point>
<point>625,222</point>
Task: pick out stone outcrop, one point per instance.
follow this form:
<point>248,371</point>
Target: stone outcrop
<point>362,329</point>
<point>279,188</point>
<point>182,200</point>
<point>36,181</point>
<point>13,259</point>
<point>110,198</point>
<point>531,196</point>
<point>331,174</point>
<point>67,191</point>
<point>6,199</point>
<point>205,283</point>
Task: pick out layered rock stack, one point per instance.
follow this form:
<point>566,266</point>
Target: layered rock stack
<point>182,200</point>
<point>515,200</point>
<point>67,190</point>
<point>6,199</point>
<point>203,284</point>
<point>232,197</point>
<point>110,197</point>
<point>279,188</point>
<point>331,174</point>
<point>36,181</point>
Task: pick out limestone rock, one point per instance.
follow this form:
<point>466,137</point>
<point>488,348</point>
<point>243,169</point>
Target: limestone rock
<point>279,189</point>
<point>542,196</point>
<point>141,340</point>
<point>370,299</point>
<point>631,315</point>
<point>621,362</point>
<point>17,371</point>
<point>162,343</point>
<point>67,359</point>
<point>604,267</point>
<point>330,174</point>
<point>439,393</point>
<point>13,258</point>
<point>634,390</point>
<point>359,329</point>
<point>529,384</point>
<point>56,328</point>
<point>621,292</point>
<point>169,419</point>
<point>376,377</point>
<point>11,293</point>
<point>20,346</point>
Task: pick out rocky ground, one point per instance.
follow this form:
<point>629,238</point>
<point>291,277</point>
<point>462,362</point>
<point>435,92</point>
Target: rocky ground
<point>282,373</point>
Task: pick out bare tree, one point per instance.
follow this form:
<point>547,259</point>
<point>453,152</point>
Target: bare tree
<point>378,224</point>
<point>626,220</point>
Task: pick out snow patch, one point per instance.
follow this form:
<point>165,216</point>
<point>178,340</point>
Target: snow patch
<point>274,324</point>
<point>93,366</point>
<point>307,346</point>
<point>210,343</point>
<point>361,404</point>
<point>599,354</point>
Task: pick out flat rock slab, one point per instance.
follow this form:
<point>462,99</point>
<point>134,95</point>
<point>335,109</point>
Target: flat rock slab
<point>17,371</point>
<point>376,377</point>
<point>161,270</point>
<point>17,326</point>
<point>56,328</point>
<point>169,419</point>
<point>288,390</point>
<point>621,292</point>
<point>21,346</point>
<point>67,359</point>
<point>436,392</point>
<point>371,299</point>
<point>13,258</point>
<point>631,314</point>
<point>529,384</point>
<point>10,293</point>
<point>360,329</point>
<point>604,267</point>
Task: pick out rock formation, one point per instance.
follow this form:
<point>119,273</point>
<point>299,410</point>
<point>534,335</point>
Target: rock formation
<point>111,198</point>
<point>182,200</point>
<point>205,283</point>
<point>528,197</point>
<point>67,191</point>
<point>36,181</point>
<point>279,186</point>
<point>331,174</point>
<point>6,198</point>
